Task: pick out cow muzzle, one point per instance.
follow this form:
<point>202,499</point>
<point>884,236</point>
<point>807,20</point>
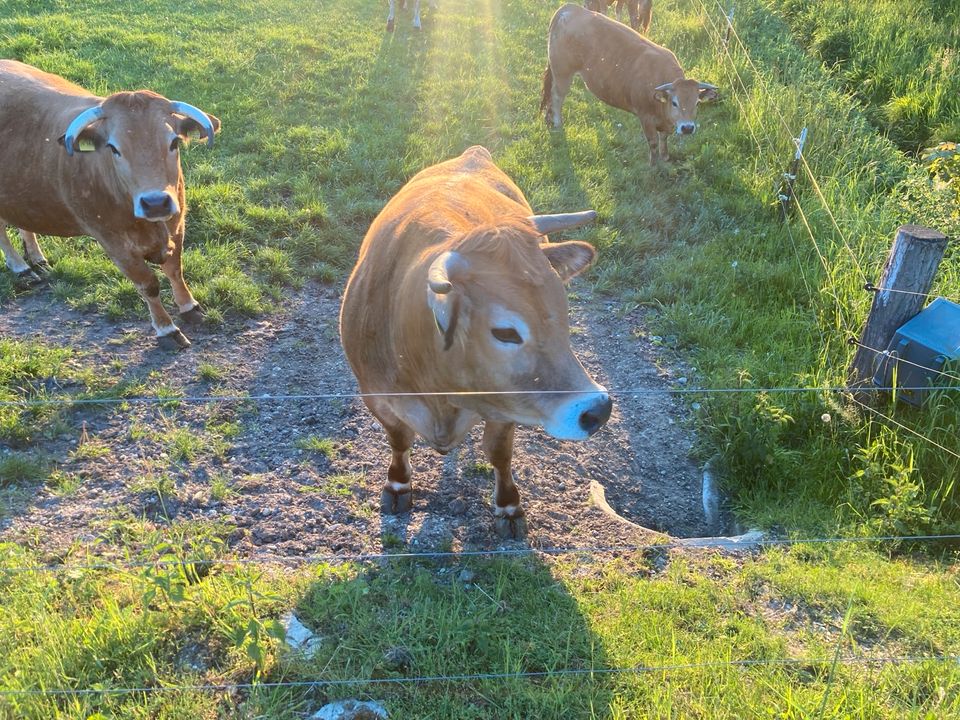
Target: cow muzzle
<point>580,417</point>
<point>686,128</point>
<point>155,206</point>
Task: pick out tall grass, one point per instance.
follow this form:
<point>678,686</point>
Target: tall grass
<point>900,60</point>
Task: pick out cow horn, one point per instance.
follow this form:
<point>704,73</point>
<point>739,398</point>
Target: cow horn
<point>565,221</point>
<point>442,269</point>
<point>196,114</point>
<point>665,86</point>
<point>707,86</point>
<point>79,124</point>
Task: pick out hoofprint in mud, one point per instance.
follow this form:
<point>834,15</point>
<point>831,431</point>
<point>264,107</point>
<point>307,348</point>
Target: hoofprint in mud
<point>287,500</point>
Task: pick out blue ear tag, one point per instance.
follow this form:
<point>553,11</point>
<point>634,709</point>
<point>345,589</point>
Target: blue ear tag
<point>85,145</point>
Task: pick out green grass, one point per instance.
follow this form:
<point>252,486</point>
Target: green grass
<point>792,611</point>
<point>898,59</point>
<point>325,446</point>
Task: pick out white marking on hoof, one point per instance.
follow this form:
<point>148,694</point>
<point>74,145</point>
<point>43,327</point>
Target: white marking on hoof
<point>398,487</point>
<point>166,330</point>
<point>507,511</point>
<point>188,306</point>
<point>16,264</point>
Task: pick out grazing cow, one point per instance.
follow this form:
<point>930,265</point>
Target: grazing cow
<point>624,70</point>
<point>458,295</point>
<point>416,13</point>
<point>640,11</point>
<point>78,164</point>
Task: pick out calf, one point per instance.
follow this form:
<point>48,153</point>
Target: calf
<point>456,313</point>
<point>624,70</point>
<point>78,164</point>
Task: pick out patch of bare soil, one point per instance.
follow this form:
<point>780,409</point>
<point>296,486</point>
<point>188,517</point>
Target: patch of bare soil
<point>284,499</point>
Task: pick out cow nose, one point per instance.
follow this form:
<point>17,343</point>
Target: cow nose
<point>155,205</point>
<point>687,129</point>
<point>595,417</point>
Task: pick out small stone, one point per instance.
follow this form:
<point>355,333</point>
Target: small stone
<point>398,658</point>
<point>299,638</point>
<point>351,710</point>
<point>681,381</point>
<point>457,507</point>
<point>467,576</point>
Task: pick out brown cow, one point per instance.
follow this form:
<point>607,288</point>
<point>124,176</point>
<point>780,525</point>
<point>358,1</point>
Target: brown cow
<point>78,164</point>
<point>456,313</point>
<point>640,11</point>
<point>624,70</point>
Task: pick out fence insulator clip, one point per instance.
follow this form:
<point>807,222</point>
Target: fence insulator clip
<point>869,286</point>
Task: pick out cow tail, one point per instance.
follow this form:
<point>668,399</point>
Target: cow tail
<point>547,90</point>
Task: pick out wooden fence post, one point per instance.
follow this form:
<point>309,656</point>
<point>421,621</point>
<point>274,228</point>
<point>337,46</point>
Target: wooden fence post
<point>910,269</point>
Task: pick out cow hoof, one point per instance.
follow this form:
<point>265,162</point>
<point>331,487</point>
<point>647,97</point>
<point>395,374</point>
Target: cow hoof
<point>194,316</point>
<point>173,341</point>
<point>41,268</point>
<point>26,278</point>
<point>389,25</point>
<point>392,503</point>
<point>514,528</point>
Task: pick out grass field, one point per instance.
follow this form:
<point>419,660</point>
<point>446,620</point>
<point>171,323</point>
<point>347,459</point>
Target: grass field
<point>324,117</point>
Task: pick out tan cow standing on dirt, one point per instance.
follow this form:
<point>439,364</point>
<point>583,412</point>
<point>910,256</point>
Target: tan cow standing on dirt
<point>78,164</point>
<point>624,70</point>
<point>458,298</point>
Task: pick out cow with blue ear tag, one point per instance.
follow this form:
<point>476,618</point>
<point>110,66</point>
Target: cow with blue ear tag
<point>456,314</point>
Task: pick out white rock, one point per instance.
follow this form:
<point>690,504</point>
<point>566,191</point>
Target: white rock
<point>299,637</point>
<point>351,710</point>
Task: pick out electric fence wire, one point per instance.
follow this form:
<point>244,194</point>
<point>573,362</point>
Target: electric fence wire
<point>718,543</point>
<point>802,156</point>
<point>765,87</point>
<point>745,664</point>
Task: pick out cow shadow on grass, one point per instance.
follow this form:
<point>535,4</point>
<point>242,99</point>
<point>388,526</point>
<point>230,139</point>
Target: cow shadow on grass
<point>423,620</point>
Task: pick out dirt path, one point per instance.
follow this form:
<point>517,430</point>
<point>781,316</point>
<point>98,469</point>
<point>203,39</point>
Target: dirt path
<point>289,500</point>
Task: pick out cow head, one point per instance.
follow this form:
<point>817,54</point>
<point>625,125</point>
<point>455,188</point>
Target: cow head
<point>680,99</point>
<point>500,309</point>
<point>136,138</point>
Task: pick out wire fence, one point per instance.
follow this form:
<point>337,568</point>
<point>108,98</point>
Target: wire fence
<point>748,541</point>
<point>588,672</point>
<point>722,42</point>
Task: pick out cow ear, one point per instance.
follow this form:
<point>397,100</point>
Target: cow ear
<point>661,95</point>
<point>188,127</point>
<point>89,140</point>
<point>709,93</point>
<point>569,258</point>
<point>446,314</point>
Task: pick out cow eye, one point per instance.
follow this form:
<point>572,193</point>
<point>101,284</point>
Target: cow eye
<point>175,144</point>
<point>507,335</point>
<point>675,103</point>
<point>113,149</point>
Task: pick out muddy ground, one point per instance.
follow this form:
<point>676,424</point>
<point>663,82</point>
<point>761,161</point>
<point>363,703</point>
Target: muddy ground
<point>290,500</point>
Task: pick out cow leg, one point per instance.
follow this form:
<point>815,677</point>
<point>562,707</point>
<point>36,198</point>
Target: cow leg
<point>35,257</point>
<point>397,496</point>
<point>634,10</point>
<point>390,16</point>
<point>145,280</point>
<point>416,15</point>
<point>498,446</point>
<point>653,140</point>
<point>13,260</point>
<point>558,93</point>
<point>662,143</point>
<point>172,267</point>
